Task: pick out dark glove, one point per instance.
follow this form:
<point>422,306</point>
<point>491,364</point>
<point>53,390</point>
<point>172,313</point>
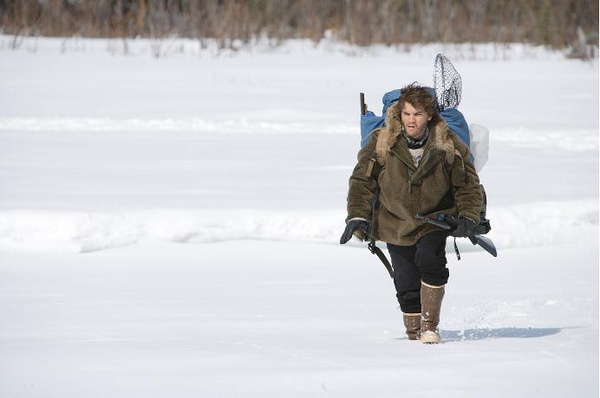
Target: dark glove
<point>465,227</point>
<point>355,227</point>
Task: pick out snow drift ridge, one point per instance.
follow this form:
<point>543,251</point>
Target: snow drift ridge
<point>280,123</point>
<point>531,224</point>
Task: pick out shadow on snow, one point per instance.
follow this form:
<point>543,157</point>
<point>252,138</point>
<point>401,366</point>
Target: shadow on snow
<point>498,333</point>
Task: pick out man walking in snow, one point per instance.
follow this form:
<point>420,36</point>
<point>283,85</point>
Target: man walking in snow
<point>414,165</point>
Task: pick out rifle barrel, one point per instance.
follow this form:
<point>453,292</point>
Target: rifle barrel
<point>363,106</point>
<point>441,224</point>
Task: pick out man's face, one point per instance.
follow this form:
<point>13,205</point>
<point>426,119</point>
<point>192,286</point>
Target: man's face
<point>414,120</point>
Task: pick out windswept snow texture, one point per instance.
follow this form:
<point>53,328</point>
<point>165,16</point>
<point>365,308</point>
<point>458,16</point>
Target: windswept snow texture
<point>169,226</point>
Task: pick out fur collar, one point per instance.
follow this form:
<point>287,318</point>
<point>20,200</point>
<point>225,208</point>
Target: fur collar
<point>389,134</point>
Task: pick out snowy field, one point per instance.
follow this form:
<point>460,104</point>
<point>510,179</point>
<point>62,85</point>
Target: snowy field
<point>169,225</point>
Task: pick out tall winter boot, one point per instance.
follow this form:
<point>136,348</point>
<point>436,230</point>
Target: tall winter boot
<point>431,304</point>
<point>412,323</point>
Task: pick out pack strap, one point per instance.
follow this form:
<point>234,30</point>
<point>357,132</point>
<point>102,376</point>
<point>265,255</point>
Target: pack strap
<point>379,253</point>
<point>456,250</point>
<point>372,246</point>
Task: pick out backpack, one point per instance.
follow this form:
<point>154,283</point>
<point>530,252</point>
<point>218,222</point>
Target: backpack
<point>447,91</point>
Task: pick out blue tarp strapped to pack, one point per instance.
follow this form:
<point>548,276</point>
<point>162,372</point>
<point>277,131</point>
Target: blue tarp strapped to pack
<point>370,121</point>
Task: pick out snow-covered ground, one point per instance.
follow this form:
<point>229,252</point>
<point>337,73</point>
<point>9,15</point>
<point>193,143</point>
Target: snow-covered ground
<point>169,226</point>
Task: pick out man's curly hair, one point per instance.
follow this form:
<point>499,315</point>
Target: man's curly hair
<point>419,96</point>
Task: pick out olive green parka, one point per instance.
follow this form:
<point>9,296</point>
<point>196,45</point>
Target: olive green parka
<point>444,182</point>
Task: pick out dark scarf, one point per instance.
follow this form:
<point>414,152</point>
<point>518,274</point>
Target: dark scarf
<point>416,144</point>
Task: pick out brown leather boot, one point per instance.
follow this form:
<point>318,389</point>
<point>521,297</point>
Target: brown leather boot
<point>412,323</point>
<point>431,304</point>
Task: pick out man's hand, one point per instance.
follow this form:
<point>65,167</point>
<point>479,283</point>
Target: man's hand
<point>355,227</point>
<point>465,227</point>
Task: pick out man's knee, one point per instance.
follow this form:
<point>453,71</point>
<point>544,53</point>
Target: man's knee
<point>436,276</point>
<point>431,259</point>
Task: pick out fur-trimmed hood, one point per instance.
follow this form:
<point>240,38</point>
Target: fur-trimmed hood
<point>389,134</point>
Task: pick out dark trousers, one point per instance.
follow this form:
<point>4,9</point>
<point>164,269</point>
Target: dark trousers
<point>424,261</point>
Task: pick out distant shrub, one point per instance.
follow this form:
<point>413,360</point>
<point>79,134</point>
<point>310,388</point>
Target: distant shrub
<point>560,24</point>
